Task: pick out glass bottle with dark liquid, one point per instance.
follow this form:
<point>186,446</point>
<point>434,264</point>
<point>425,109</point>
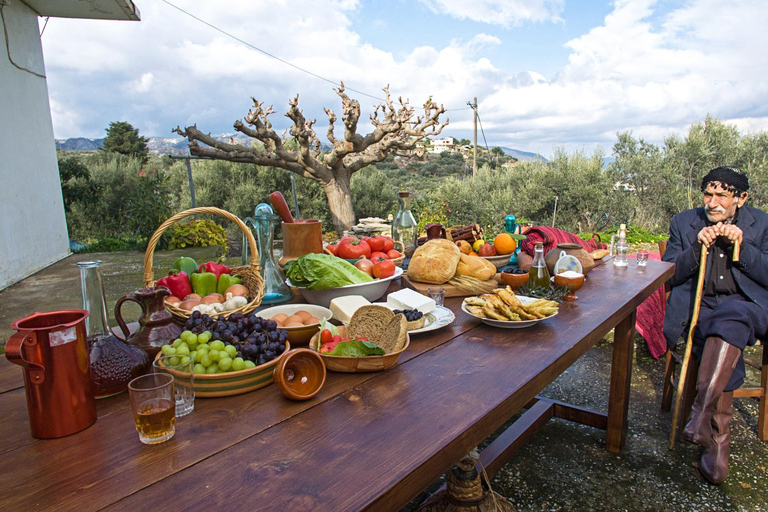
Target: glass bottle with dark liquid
<point>538,275</point>
<point>113,363</point>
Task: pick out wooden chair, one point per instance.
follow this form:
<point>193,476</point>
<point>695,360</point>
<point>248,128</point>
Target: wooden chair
<point>673,359</point>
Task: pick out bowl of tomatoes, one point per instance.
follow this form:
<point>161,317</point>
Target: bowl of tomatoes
<point>372,290</point>
<point>374,248</point>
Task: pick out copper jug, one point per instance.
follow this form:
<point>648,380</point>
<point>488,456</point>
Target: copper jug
<point>156,327</point>
<point>52,350</point>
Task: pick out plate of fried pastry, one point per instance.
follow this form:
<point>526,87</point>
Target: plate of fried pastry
<point>503,308</point>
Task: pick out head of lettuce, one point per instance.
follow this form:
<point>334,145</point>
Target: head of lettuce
<point>323,271</point>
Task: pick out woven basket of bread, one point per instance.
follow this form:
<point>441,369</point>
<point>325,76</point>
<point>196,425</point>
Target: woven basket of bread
<point>250,274</point>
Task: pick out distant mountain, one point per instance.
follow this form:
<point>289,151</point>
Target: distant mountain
<point>523,156</point>
<point>608,160</point>
<point>79,144</point>
<point>178,146</point>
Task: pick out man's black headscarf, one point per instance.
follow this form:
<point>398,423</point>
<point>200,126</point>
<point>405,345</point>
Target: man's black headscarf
<point>729,178</point>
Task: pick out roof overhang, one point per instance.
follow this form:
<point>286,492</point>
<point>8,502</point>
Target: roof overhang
<point>93,9</point>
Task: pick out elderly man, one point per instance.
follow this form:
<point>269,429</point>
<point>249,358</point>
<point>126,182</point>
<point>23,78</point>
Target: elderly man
<point>734,304</point>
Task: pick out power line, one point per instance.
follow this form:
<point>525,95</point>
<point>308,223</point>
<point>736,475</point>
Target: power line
<point>279,59</point>
<point>269,54</point>
<point>482,131</point>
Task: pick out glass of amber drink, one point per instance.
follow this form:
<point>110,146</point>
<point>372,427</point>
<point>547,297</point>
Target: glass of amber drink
<point>153,401</point>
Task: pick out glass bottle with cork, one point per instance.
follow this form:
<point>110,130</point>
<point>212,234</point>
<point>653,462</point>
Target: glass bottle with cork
<point>538,274</point>
<point>404,227</point>
<point>621,248</point>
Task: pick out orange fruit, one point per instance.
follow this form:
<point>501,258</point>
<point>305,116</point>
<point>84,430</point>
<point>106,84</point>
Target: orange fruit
<point>504,244</point>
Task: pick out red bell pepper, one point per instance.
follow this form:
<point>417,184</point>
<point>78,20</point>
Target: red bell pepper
<point>179,284</point>
<point>214,268</point>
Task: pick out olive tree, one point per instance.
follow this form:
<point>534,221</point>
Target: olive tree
<point>395,132</point>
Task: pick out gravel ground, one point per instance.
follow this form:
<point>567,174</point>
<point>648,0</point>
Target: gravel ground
<point>565,466</point>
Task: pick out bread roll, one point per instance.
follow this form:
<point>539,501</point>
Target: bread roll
<point>475,266</point>
<point>434,262</point>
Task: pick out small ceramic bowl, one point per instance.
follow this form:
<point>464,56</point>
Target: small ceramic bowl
<point>514,281</point>
<point>299,374</point>
<point>346,364</point>
<point>298,335</point>
<point>575,283</point>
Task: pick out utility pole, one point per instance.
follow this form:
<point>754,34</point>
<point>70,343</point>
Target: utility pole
<point>474,139</point>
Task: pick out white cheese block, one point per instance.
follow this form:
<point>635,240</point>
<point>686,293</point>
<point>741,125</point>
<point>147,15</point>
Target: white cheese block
<point>409,299</point>
<point>344,307</point>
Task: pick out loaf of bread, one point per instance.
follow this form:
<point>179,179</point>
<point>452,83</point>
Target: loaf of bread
<point>434,262</point>
<point>475,266</point>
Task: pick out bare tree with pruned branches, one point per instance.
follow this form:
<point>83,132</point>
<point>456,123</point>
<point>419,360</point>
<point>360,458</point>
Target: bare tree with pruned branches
<point>396,132</point>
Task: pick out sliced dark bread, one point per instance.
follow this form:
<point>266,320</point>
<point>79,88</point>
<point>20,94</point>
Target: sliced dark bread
<point>369,322</point>
<point>394,335</point>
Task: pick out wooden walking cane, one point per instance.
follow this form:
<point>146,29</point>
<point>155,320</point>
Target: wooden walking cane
<point>689,343</point>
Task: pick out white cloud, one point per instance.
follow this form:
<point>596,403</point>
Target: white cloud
<point>499,12</point>
<point>640,69</point>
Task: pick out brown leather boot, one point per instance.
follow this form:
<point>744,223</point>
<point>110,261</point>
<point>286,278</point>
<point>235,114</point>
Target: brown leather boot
<point>717,363</point>
<point>714,460</point>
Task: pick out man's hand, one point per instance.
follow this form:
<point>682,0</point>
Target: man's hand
<point>709,234</point>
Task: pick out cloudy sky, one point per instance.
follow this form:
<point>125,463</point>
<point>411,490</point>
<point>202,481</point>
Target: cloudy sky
<point>546,73</point>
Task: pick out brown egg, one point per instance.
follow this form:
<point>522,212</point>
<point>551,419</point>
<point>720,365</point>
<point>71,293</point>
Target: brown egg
<point>293,324</point>
<point>311,320</point>
<point>303,314</point>
<point>279,318</point>
<point>292,319</point>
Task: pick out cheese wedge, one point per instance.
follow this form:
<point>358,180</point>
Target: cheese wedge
<point>409,299</point>
<point>344,307</point>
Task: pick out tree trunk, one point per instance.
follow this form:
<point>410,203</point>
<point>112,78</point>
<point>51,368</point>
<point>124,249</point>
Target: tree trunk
<point>339,194</point>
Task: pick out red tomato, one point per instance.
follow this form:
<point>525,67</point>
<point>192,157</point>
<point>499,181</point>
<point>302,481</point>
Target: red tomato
<point>376,243</point>
<point>350,238</point>
<point>378,256</point>
<point>333,249</point>
<point>326,337</point>
<point>389,244</point>
<point>365,265</point>
<point>384,268</point>
<point>354,250</point>
<point>393,254</point>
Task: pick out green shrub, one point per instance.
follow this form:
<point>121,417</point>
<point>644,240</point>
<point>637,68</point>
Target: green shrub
<point>109,244</point>
<point>196,233</point>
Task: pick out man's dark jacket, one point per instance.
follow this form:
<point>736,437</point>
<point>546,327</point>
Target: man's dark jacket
<point>750,273</point>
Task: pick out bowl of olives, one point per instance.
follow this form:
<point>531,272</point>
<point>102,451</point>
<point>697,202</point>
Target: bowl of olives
<point>514,277</point>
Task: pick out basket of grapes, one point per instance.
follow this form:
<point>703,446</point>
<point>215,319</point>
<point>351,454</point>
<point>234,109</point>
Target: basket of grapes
<point>232,355</point>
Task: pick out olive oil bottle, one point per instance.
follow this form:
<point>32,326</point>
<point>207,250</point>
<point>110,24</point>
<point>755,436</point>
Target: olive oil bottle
<point>538,275</point>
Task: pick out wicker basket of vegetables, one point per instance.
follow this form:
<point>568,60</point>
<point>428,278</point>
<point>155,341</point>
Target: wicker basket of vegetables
<point>210,277</point>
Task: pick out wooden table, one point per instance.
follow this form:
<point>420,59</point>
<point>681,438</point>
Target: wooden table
<point>371,441</point>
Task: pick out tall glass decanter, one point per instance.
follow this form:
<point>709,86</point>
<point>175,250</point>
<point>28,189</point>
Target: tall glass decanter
<point>275,289</point>
<point>538,274</point>
<point>404,227</point>
<point>113,362</point>
<point>622,248</point>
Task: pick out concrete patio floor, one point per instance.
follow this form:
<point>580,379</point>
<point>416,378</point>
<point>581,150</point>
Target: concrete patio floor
<point>565,466</point>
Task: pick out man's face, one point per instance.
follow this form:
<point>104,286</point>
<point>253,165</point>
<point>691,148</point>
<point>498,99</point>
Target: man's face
<point>719,203</point>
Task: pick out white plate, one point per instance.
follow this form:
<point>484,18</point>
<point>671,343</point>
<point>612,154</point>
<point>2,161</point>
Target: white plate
<point>436,319</point>
<point>509,324</point>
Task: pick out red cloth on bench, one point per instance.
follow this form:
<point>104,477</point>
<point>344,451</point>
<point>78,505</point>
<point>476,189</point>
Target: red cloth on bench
<point>650,317</point>
<point>553,236</point>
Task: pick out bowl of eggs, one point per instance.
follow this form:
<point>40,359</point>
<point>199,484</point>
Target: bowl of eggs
<point>301,321</point>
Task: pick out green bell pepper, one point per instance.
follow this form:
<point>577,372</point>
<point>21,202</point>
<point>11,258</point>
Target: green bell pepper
<point>185,264</point>
<point>225,281</point>
<point>204,283</point>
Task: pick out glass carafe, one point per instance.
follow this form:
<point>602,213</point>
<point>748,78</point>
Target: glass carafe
<point>538,275</point>
<point>275,289</point>
<point>113,362</point>
<point>404,228</point>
